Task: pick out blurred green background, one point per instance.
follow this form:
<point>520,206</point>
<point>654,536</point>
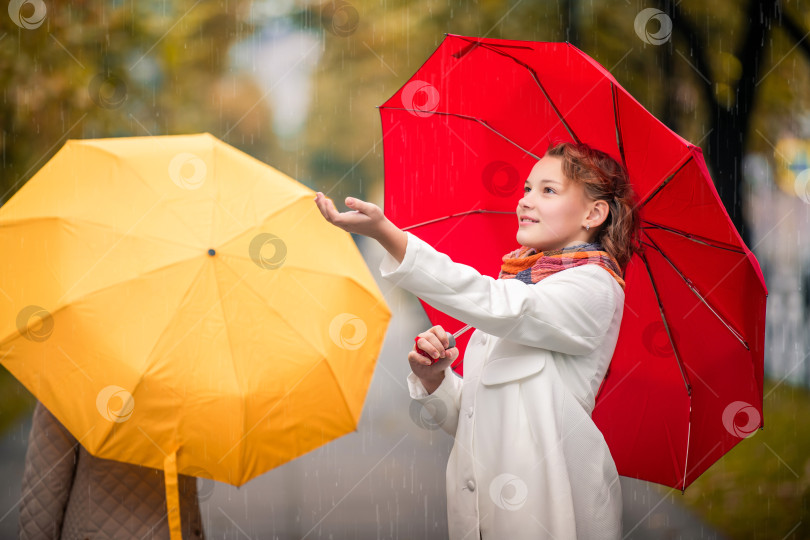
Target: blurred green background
<point>295,84</point>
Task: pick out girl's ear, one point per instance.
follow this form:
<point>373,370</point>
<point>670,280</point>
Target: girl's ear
<point>599,213</point>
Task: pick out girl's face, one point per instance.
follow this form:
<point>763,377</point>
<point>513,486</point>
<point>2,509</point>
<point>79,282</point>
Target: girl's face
<point>558,209</point>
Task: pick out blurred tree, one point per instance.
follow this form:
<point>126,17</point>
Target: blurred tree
<point>106,69</point>
<point>729,78</point>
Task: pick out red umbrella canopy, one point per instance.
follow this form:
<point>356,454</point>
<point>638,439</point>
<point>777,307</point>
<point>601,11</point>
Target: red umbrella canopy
<point>459,139</point>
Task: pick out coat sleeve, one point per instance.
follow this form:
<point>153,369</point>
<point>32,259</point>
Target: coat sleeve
<point>439,408</point>
<point>569,312</point>
<point>50,462</point>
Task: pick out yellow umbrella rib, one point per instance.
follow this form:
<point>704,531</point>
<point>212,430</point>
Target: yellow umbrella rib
<point>241,454</point>
<point>257,178</point>
<point>325,356</point>
<point>316,271</point>
<point>342,391</point>
<point>137,175</point>
<point>242,458</point>
<point>168,324</point>
<point>88,144</point>
<point>59,308</point>
<point>264,218</point>
<point>216,149</point>
<point>77,219</point>
<point>146,368</point>
<point>268,306</point>
<point>217,189</point>
<point>367,290</point>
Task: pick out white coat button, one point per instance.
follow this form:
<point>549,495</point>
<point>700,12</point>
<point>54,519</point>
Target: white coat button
<point>470,412</point>
<point>471,485</point>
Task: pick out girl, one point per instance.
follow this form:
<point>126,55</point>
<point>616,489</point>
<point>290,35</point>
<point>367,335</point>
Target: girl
<point>528,461</point>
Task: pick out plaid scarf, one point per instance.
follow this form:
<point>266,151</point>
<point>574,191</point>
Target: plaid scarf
<point>529,266</point>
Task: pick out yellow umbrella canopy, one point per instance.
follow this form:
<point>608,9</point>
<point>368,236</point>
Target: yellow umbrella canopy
<point>176,303</point>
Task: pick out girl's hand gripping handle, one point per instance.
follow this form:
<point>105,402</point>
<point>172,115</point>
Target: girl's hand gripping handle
<point>450,337</point>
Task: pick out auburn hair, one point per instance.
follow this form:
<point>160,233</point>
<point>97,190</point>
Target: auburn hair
<point>604,178</point>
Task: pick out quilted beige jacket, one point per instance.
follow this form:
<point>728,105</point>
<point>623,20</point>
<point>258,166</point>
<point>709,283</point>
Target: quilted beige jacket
<point>68,494</point>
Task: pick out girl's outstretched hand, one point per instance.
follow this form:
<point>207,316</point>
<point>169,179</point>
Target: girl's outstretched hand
<point>367,219</point>
<point>434,342</point>
<point>364,217</point>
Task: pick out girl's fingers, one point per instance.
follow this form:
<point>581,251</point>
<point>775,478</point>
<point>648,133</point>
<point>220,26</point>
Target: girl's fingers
<point>414,356</point>
<point>330,211</point>
<point>433,346</point>
<point>318,203</point>
<point>439,337</point>
<point>441,334</point>
<point>325,207</point>
<point>430,346</point>
<point>425,345</point>
<point>442,363</point>
<point>356,204</point>
<point>363,207</point>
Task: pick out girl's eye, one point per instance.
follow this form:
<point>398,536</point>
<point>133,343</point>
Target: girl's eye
<point>527,188</point>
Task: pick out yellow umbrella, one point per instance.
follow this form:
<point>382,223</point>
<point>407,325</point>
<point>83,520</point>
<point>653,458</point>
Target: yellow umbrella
<point>177,304</point>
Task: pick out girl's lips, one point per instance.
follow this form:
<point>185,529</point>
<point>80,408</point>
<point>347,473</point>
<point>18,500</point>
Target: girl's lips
<point>522,223</point>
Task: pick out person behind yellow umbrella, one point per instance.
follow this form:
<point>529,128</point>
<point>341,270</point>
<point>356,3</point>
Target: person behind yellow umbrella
<point>528,460</point>
<point>69,494</point>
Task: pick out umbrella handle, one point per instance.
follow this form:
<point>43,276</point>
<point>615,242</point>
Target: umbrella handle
<point>172,496</point>
<point>451,339</point>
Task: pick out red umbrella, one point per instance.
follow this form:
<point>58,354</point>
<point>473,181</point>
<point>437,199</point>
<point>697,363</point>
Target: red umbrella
<point>461,136</point>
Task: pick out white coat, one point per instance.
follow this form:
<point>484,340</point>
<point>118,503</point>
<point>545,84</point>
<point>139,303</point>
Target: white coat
<point>527,461</point>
